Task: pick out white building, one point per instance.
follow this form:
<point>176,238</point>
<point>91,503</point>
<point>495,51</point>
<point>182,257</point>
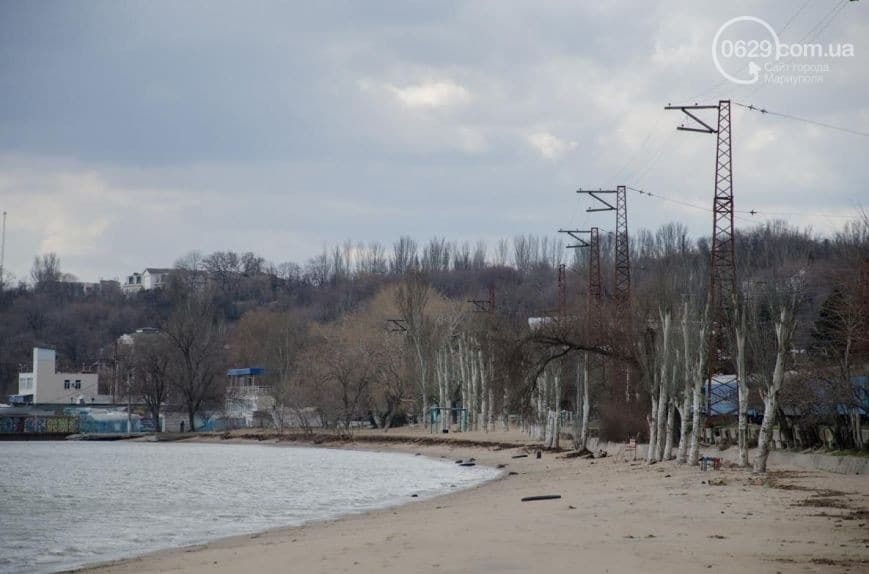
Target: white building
<point>150,278</point>
<point>247,399</point>
<point>45,385</point>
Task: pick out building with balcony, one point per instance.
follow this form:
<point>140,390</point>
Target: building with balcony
<point>150,278</point>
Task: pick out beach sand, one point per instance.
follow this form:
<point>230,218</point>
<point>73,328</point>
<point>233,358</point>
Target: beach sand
<point>613,516</point>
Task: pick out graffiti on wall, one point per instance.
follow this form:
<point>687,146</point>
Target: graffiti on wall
<point>20,424</point>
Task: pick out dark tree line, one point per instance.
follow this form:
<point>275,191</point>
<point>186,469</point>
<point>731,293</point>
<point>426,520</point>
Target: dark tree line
<point>227,309</point>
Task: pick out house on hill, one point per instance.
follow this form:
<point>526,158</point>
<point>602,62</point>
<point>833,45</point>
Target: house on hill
<point>150,278</point>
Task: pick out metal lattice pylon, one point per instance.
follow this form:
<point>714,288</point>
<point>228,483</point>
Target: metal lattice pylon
<point>595,288</point>
<point>622,270</point>
<point>562,289</point>
<point>623,255</point>
<point>722,277</point>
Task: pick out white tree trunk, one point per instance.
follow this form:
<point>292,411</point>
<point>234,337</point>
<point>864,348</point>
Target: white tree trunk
<point>687,388</point>
<point>668,443</point>
<point>684,413</point>
<point>784,329</point>
<point>742,388</point>
<point>484,393</point>
<point>661,421</point>
<point>556,425</point>
<point>490,424</point>
<point>586,405</point>
<point>663,387</point>
<point>765,436</point>
<point>696,419</point>
<point>505,410</point>
<point>539,425</point>
<point>653,429</point>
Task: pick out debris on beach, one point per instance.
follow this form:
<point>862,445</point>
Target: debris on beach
<point>541,497</point>
<point>583,453</point>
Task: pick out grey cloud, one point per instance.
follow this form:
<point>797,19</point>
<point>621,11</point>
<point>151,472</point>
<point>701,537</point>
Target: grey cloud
<point>276,126</point>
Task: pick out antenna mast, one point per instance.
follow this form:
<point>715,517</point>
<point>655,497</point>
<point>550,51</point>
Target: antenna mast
<point>2,250</point>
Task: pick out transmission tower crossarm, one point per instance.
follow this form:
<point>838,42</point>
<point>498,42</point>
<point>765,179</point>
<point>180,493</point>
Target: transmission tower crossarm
<point>706,129</point>
<point>574,234</point>
<point>593,193</point>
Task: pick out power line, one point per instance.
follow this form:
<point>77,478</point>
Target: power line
<point>824,21</point>
<point>751,212</point>
<point>804,120</point>
<point>794,16</point>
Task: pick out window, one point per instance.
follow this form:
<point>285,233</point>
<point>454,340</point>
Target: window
<point>66,383</point>
<point>78,383</point>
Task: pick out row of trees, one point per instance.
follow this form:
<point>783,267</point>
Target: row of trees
<point>795,335</point>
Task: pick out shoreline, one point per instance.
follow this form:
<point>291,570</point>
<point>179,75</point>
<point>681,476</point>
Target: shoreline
<point>298,441</point>
<point>614,515</point>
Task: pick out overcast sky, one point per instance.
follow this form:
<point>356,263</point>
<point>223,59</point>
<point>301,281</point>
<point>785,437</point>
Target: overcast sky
<point>134,132</point>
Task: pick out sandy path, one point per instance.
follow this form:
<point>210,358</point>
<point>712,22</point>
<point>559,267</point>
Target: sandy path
<point>614,516</point>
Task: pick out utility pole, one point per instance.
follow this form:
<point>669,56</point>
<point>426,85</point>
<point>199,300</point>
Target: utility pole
<point>595,288</point>
<point>622,269</point>
<point>622,275</point>
<point>592,364</point>
<point>722,277</point>
<point>562,289</point>
<point>2,251</point>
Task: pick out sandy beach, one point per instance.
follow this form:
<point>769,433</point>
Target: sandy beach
<point>614,515</point>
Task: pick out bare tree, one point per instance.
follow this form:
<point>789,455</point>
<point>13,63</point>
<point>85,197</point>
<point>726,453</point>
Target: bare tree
<point>772,363</point>
<point>151,376</point>
<point>404,256</point>
<point>195,337</point>
<point>46,270</point>
<point>412,298</point>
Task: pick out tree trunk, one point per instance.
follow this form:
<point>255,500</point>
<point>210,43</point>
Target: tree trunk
<point>784,329</point>
<point>556,425</point>
<point>388,422</point>
<point>696,420</point>
<point>505,410</point>
<point>191,418</point>
<point>742,388</point>
<point>684,413</point>
<point>664,387</point>
<point>586,406</point>
<point>540,418</point>
<point>857,430</point>
<point>484,393</point>
<point>661,421</point>
<point>651,418</point>
<point>155,414</point>
<point>765,436</point>
<point>490,424</point>
<point>668,443</point>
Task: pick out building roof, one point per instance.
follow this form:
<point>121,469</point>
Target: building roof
<point>246,372</point>
<point>153,270</point>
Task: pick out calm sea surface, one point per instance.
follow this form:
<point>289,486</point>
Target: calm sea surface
<point>67,504</point>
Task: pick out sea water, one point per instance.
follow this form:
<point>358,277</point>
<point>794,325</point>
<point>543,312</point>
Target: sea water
<point>68,504</point>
